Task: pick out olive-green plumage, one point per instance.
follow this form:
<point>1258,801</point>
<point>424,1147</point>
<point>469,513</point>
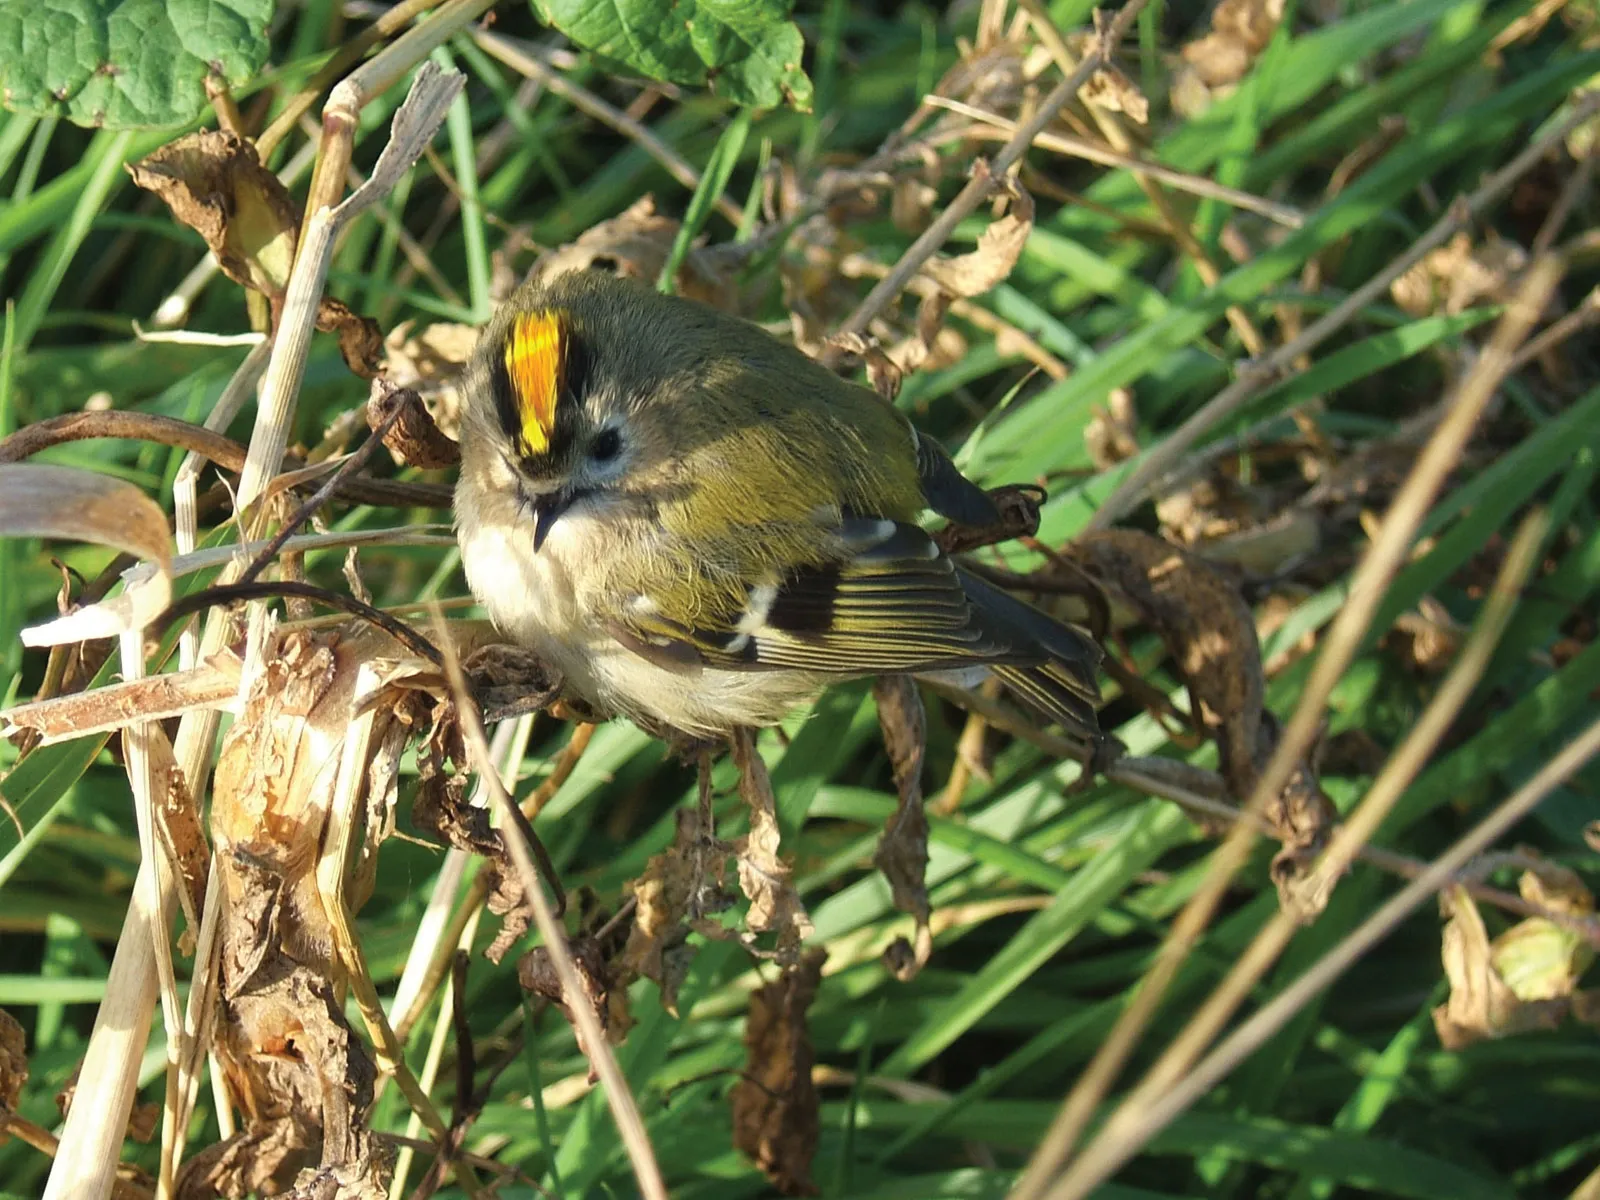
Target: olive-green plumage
<point>718,525</point>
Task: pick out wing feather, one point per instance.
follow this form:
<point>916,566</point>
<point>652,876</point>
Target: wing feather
<point>891,603</point>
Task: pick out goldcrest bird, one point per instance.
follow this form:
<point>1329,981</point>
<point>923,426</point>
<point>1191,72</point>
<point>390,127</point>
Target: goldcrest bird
<point>701,528</point>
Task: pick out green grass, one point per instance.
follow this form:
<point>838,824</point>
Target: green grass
<point>1054,896</point>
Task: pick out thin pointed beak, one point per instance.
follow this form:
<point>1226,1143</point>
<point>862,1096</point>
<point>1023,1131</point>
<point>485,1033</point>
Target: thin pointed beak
<point>546,509</point>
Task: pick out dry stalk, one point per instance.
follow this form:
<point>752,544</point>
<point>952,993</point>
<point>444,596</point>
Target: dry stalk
<point>1276,1013</point>
<point>428,960</point>
<point>390,20</point>
<point>1111,1142</point>
<point>350,95</point>
<point>983,184</point>
<point>1343,641</point>
<point>1151,471</point>
<point>624,1110</point>
<point>1178,181</point>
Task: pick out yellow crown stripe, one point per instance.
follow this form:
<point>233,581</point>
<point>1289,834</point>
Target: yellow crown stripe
<point>534,357</point>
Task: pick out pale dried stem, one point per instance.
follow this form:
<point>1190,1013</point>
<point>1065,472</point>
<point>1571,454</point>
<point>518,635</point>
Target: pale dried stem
<point>333,874</point>
<point>186,483</point>
<point>515,56</point>
<point>983,184</point>
<point>342,112</point>
<point>437,933</point>
<point>1113,1144</point>
<point>442,1029</point>
<point>1547,339</point>
<point>1386,555</point>
<point>390,20</point>
<point>624,1110</point>
<point>1256,376</point>
<point>1180,181</point>
<point>1254,1032</point>
<point>86,1161</point>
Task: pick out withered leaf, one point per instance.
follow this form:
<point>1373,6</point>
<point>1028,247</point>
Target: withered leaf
<point>40,500</point>
<point>763,876</point>
<point>1481,1004</point>
<point>636,245</point>
<point>678,889</point>
<point>999,247</point>
<point>775,1106</point>
<point>1539,958</point>
<point>177,824</point>
<point>414,438</point>
<point>537,975</point>
<point>214,182</point>
<point>1018,508</point>
<point>902,853</point>
<point>13,1063</point>
<point>441,808</point>
<point>1211,634</point>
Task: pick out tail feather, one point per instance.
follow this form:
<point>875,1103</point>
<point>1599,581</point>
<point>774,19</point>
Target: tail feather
<point>1055,693</point>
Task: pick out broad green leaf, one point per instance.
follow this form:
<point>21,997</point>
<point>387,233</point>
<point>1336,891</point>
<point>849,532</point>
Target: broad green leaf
<point>746,50</point>
<point>126,64</point>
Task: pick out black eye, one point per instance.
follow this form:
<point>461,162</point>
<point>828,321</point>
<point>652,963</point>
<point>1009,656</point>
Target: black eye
<point>606,445</point>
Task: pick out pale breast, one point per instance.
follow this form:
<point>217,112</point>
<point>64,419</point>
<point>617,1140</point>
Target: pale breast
<point>532,598</point>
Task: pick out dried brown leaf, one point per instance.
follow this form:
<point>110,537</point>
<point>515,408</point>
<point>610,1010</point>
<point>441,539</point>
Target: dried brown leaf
<point>1111,90</point>
<point>1211,634</point>
<point>763,876</point>
<point>1539,958</point>
<point>679,888</point>
<point>1112,435</point>
<point>177,824</point>
<point>999,248</point>
<point>441,808</point>
<point>214,182</point>
<point>1211,65</point>
<point>1459,274</point>
<point>414,439</point>
<point>776,1113</point>
<point>537,975</point>
<point>13,1064</point>
<point>38,500</point>
<point>1481,1005</point>
<point>902,853</point>
<point>1018,505</point>
<point>430,360</point>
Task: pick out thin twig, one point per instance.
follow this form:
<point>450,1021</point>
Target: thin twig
<point>624,1110</point>
<point>1280,364</point>
<point>1343,641</point>
<point>1179,181</point>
